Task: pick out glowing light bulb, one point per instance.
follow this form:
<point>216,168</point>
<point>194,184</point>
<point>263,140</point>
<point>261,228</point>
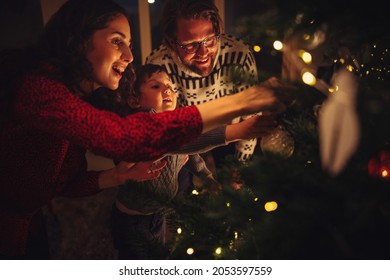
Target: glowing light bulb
<point>218,251</point>
<point>190,251</point>
<point>179,230</point>
<point>309,78</point>
<point>278,45</point>
<point>306,57</point>
<point>256,48</point>
<point>151,1</point>
<point>195,192</point>
<point>270,206</point>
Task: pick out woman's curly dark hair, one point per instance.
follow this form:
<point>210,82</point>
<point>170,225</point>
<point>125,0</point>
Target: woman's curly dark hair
<point>68,33</point>
<point>63,44</point>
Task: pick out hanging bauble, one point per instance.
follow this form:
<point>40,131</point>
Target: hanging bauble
<point>379,166</point>
<point>278,142</point>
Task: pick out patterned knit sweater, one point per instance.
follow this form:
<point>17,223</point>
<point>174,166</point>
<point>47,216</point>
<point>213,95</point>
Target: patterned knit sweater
<point>195,89</point>
<point>43,144</point>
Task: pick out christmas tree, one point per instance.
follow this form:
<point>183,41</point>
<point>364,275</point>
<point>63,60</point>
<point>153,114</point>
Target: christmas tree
<point>290,206</point>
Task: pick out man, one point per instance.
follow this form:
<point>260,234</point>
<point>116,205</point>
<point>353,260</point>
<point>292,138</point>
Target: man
<point>200,60</point>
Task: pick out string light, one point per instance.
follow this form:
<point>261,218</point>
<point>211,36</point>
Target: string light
<point>231,244</point>
<point>195,192</point>
<point>306,56</point>
<point>309,78</point>
<point>179,230</point>
<point>270,206</point>
<point>190,251</point>
<point>256,48</point>
<point>278,45</point>
<point>218,251</point>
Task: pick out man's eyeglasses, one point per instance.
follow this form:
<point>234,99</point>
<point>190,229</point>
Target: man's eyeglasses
<point>193,47</point>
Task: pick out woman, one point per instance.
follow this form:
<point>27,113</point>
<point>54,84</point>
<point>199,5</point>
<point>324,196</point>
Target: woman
<point>46,126</point>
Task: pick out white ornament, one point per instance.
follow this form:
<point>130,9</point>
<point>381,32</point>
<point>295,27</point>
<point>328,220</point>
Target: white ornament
<point>338,124</point>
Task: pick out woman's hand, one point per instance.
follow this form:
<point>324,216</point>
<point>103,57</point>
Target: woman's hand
<point>126,171</point>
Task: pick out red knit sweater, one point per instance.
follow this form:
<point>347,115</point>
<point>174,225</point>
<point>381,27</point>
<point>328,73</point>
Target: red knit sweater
<point>43,144</point>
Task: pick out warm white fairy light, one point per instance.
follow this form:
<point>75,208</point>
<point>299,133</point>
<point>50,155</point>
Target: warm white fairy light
<point>179,230</point>
<point>190,251</point>
<point>306,37</point>
<point>235,235</point>
<point>306,56</point>
<point>278,45</point>
<point>270,206</point>
<point>256,199</point>
<point>309,79</point>
<point>256,48</point>
<point>195,192</point>
<point>231,245</point>
<point>218,251</point>
<point>151,1</point>
<point>227,204</point>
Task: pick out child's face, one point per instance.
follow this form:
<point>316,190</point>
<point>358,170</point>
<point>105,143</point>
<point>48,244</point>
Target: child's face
<point>156,93</point>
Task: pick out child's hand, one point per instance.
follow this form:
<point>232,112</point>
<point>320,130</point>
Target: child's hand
<point>129,171</point>
<point>140,171</point>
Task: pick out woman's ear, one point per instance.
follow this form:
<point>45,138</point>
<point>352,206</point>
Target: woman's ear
<point>132,101</point>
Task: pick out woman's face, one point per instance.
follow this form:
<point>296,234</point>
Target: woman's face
<point>110,54</point>
<point>156,93</point>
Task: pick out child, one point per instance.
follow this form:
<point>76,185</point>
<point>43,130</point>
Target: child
<point>137,217</point>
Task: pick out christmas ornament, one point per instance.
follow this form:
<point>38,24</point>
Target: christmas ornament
<point>278,142</point>
<point>379,166</point>
<point>339,129</point>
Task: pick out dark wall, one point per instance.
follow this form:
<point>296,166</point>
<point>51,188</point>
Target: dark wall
<point>20,22</point>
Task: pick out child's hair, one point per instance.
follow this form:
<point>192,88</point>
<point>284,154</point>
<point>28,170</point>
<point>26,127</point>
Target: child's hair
<point>143,73</point>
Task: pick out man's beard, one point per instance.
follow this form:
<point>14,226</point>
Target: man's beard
<point>202,71</point>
